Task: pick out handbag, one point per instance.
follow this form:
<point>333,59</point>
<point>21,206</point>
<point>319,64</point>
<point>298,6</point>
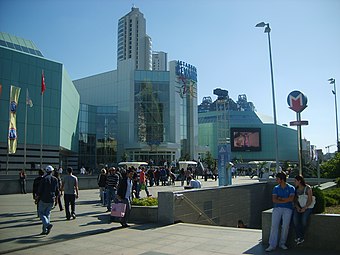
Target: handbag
<point>118,210</point>
<point>304,198</point>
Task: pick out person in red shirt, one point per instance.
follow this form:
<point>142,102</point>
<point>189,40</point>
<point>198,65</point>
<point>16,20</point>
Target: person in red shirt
<point>142,181</point>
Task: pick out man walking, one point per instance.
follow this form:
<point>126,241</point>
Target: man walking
<point>71,192</point>
<point>283,196</point>
<point>47,192</point>
<point>112,181</point>
<point>36,184</point>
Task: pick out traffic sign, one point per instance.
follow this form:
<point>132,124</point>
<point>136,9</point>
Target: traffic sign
<point>297,101</point>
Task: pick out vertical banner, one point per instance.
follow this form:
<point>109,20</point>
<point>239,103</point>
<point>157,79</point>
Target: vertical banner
<point>12,133</point>
<point>223,161</point>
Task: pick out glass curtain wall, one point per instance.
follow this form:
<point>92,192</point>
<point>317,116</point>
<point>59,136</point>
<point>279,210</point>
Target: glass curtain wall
<point>97,136</point>
<point>151,109</point>
<point>106,131</point>
<point>87,136</point>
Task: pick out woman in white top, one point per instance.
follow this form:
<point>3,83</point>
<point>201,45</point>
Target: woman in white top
<point>302,207</point>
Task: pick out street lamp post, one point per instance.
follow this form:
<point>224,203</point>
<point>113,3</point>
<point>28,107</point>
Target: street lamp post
<point>267,30</point>
<point>332,81</point>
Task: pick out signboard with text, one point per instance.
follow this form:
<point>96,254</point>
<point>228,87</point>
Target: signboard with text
<point>224,152</point>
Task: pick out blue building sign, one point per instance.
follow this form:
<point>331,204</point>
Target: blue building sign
<point>186,71</point>
<point>224,152</point>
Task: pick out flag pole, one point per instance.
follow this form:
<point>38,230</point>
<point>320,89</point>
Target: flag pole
<point>9,119</point>
<point>41,129</point>
<point>25,130</point>
<point>42,116</point>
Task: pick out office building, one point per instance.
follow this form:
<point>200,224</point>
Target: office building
<point>133,42</point>
<point>159,61</point>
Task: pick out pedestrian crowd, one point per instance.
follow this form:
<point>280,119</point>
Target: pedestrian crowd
<point>120,185</point>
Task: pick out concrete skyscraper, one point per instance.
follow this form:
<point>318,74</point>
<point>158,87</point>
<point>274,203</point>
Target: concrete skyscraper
<point>133,42</point>
<point>159,61</point>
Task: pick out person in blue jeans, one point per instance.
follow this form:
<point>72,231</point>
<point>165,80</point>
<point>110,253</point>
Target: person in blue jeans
<point>301,212</point>
<point>47,192</point>
<point>71,193</point>
<point>283,196</point>
<point>112,181</point>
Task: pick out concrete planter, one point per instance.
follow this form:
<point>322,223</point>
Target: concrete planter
<point>144,214</point>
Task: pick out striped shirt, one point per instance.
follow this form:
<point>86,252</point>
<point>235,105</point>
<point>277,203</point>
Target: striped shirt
<point>112,180</point>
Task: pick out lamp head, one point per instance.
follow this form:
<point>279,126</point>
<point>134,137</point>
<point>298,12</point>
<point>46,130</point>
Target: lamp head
<point>331,80</point>
<point>262,24</point>
<point>266,25</point>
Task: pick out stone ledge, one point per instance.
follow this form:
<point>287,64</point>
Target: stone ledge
<point>321,233</point>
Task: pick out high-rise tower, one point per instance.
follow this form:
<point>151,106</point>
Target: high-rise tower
<point>159,61</point>
<point>133,42</point>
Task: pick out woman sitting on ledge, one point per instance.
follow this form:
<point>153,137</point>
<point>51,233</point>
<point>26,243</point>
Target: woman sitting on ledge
<point>303,206</point>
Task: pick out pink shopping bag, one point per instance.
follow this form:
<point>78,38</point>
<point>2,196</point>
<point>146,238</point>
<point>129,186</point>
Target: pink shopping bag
<point>118,210</point>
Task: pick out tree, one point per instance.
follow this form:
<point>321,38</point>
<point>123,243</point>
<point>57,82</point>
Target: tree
<point>209,160</point>
<point>331,168</point>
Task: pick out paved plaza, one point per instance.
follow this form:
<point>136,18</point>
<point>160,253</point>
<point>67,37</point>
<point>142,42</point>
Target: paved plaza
<point>92,233</point>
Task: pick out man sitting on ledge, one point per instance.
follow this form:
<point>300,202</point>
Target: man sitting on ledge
<point>194,184</point>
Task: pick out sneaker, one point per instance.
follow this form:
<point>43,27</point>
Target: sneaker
<point>296,240</point>
<point>283,247</point>
<point>300,241</point>
<point>73,216</point>
<point>270,249</point>
<point>49,227</point>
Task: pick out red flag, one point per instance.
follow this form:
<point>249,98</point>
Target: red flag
<point>43,86</point>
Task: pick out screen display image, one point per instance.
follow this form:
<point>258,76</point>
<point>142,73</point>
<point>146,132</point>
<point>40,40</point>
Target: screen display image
<point>245,139</point>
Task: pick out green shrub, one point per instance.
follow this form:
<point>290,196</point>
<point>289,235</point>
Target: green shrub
<point>337,180</point>
<point>320,200</point>
<point>334,194</point>
<point>147,201</point>
<point>330,201</point>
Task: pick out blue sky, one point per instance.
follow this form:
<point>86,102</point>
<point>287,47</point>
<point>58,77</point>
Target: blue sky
<point>217,36</point>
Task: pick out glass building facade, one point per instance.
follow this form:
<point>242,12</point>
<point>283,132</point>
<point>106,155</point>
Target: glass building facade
<point>154,120</point>
<point>98,129</point>
<point>54,142</point>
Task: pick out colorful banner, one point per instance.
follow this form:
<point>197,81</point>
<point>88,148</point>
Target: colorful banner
<point>12,133</point>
